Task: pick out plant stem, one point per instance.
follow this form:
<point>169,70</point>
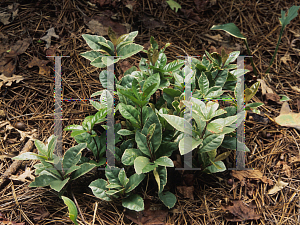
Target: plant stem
<point>141,117</point>
<point>279,39</point>
<point>251,59</point>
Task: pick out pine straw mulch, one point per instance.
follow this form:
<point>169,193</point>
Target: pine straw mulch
<point>31,102</point>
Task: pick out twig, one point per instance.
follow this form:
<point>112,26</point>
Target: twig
<point>78,208</point>
<point>16,164</point>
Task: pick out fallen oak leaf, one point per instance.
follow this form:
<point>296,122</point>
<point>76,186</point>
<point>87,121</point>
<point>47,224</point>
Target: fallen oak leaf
<point>47,37</point>
<point>8,80</point>
<point>23,176</point>
<point>42,64</point>
<point>287,118</point>
<point>12,12</point>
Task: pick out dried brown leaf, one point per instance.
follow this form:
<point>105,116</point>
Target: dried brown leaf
<point>242,175</point>
<point>277,187</point>
<point>8,80</point>
<point>47,37</point>
<point>148,216</point>
<point>99,24</point>
<point>42,64</point>
<point>23,176</point>
<point>239,211</point>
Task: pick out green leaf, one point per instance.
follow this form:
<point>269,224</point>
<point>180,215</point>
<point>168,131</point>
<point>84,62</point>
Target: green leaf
<point>84,168</point>
<point>99,117</point>
<point>99,189</point>
<point>131,97</point>
<point>195,144</point>
<point>173,66</point>
<point>203,84</point>
<point>177,122</point>
<point>211,142</point>
<point>292,13</point>
<point>57,185</point>
<point>112,175</point>
<point>73,155</point>
<point>230,28</point>
<point>222,156</point>
<point>166,149</point>
<point>174,5</point>
<point>222,77</point>
<point>161,61</point>
<point>43,180</point>
<point>122,38</point>
<point>133,202</point>
<point>29,156</point>
<point>130,155</point>
<point>217,126</point>
<point>250,92</point>
<point>139,163</point>
<point>231,143</point>
<point>123,178</point>
<point>134,181</point>
<point>125,132</point>
<point>42,148</point>
<point>94,41</point>
<point>141,141</point>
<point>164,161</point>
<point>254,104</point>
<point>77,132</point>
<point>216,167</point>
<point>73,127</point>
<point>283,98</point>
<point>160,175</point>
<point>129,112</point>
<point>103,77</point>
<point>151,85</point>
<point>129,50</point>
<point>72,209</point>
<point>153,43</point>
<point>131,36</point>
<point>232,57</point>
<point>150,131</point>
<point>168,199</point>
<point>157,135</point>
<point>149,167</point>
<point>91,55</point>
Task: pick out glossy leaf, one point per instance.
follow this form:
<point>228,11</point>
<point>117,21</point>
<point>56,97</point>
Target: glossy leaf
<point>139,164</point>
<point>29,156</point>
<point>133,202</point>
<point>134,181</point>
<point>230,28</point>
<point>99,189</point>
<point>84,168</point>
<point>42,148</point>
<point>141,141</point>
<point>157,135</point>
<point>129,50</point>
<point>168,199</point>
<point>72,209</point>
<point>211,142</point>
<point>130,155</point>
<point>164,161</point>
<point>73,155</point>
<point>57,185</point>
